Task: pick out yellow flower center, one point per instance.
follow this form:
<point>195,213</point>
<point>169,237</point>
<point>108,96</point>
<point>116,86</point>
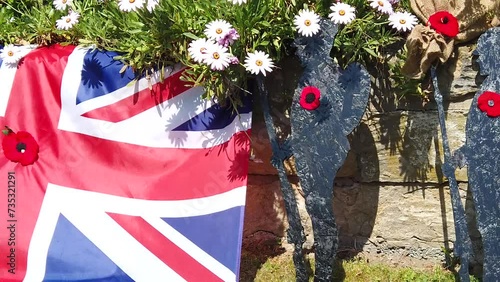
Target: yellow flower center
<point>380,3</point>
<point>216,55</point>
<point>64,1</point>
<point>259,63</point>
<point>218,31</point>
<point>203,49</point>
<point>402,21</point>
<point>307,22</point>
<point>68,20</point>
<point>341,12</point>
<point>10,53</point>
<point>131,1</point>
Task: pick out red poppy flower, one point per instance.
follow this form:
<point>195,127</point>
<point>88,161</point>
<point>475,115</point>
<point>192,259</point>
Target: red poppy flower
<point>444,23</point>
<point>309,98</point>
<point>20,147</point>
<point>489,102</point>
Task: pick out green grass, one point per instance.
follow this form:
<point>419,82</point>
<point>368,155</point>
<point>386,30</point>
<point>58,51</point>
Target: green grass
<point>280,269</point>
<point>362,271</point>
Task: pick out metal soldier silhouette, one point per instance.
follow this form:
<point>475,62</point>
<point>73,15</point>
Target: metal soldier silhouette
<point>327,105</point>
<point>481,152</point>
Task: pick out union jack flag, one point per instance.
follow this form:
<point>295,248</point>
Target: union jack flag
<point>136,180</point>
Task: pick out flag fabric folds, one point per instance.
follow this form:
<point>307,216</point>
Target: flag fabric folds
<point>136,180</point>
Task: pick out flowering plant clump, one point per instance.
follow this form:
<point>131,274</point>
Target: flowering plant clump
<point>375,38</point>
<point>377,26</point>
<point>221,42</point>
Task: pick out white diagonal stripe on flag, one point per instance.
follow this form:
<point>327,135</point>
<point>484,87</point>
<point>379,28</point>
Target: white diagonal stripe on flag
<point>149,128</point>
<point>192,249</point>
<point>191,101</point>
<point>114,241</point>
<point>157,208</point>
<point>118,244</point>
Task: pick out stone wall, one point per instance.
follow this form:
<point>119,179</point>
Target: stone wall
<point>391,199</point>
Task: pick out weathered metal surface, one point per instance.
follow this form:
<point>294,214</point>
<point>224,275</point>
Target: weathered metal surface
<point>319,143</point>
<point>481,154</point>
<point>463,245</point>
<point>281,152</point>
<point>318,154</point>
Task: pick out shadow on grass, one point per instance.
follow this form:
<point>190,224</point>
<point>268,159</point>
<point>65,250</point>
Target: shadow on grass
<point>269,262</point>
<point>280,269</point>
<point>255,253</point>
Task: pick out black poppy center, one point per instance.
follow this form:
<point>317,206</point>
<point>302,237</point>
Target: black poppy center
<point>21,147</point>
<point>310,97</point>
<point>444,20</point>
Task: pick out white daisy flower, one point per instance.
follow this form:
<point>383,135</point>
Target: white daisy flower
<point>130,5</point>
<point>402,21</point>
<point>342,13</point>
<point>152,4</point>
<point>10,55</point>
<point>67,22</point>
<point>217,57</point>
<point>61,4</point>
<point>239,2</point>
<point>383,6</point>
<point>217,29</point>
<point>307,23</point>
<point>198,49</point>
<point>258,61</point>
<point>74,16</point>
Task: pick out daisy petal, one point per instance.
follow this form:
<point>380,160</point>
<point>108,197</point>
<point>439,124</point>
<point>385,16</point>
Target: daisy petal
<point>61,4</point>
<point>238,2</point>
<point>383,6</point>
<point>130,5</point>
<point>307,23</point>
<point>402,21</point>
<point>258,61</point>
<point>10,55</point>
<point>342,13</point>
<point>217,29</point>
<point>217,57</point>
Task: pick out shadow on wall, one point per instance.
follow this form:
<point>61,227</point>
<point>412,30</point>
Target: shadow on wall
<point>411,142</point>
<point>406,132</point>
<point>356,205</point>
<point>264,225</point>
<point>403,133</point>
<point>265,218</point>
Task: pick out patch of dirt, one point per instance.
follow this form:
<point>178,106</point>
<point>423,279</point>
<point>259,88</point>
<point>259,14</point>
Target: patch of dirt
<point>256,250</point>
<point>263,244</point>
<point>398,260</point>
